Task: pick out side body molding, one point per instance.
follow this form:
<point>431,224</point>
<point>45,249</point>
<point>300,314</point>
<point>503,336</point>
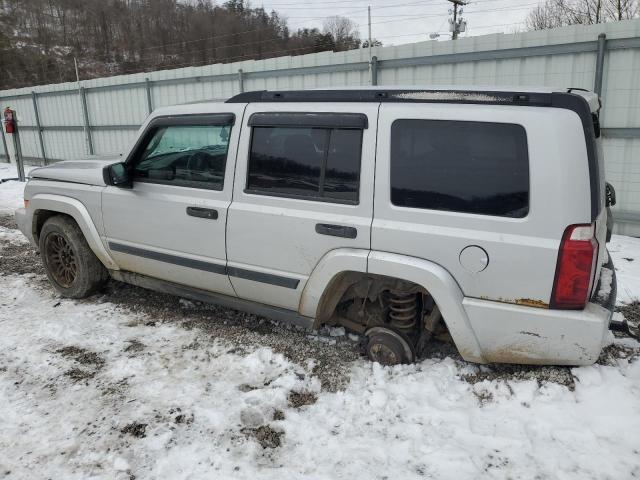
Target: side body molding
<point>442,287</point>
<point>77,210</point>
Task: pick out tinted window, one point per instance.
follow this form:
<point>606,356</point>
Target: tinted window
<point>470,167</point>
<point>185,155</point>
<point>322,163</point>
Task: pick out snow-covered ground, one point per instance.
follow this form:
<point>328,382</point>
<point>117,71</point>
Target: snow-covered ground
<point>89,389</point>
<point>11,191</point>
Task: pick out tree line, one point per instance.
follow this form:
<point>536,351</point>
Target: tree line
<point>560,13</point>
<point>39,39</point>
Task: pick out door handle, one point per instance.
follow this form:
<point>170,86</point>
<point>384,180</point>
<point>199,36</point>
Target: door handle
<point>199,212</point>
<point>336,230</point>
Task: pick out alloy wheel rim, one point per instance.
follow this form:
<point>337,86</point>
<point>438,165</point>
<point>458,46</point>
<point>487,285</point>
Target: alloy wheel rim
<point>61,259</point>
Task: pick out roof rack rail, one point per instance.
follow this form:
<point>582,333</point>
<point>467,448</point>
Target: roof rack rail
<point>417,95</point>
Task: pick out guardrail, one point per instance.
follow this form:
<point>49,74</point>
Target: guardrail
<point>599,46</point>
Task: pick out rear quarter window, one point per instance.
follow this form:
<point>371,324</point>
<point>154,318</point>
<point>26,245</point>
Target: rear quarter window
<point>458,166</point>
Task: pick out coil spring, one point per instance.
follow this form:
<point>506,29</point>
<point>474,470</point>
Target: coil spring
<point>403,310</point>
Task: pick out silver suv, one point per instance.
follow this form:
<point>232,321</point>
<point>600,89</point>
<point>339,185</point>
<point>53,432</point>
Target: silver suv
<point>400,214</point>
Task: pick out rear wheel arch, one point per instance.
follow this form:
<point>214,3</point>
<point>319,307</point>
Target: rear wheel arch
<point>427,276</point>
<point>444,289</point>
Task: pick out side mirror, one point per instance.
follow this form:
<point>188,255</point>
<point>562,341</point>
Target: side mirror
<point>117,175</point>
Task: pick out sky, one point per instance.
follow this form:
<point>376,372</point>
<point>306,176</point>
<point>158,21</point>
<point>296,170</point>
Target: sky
<point>395,22</point>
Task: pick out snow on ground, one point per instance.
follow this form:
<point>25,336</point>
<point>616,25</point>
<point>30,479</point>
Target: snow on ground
<point>625,252</point>
<point>89,389</point>
<point>11,237</point>
<point>11,191</point>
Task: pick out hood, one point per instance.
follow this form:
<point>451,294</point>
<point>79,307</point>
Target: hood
<point>86,171</point>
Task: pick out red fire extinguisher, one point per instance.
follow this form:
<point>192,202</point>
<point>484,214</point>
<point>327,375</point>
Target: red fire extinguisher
<point>9,120</point>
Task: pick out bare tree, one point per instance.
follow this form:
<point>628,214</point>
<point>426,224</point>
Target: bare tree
<point>344,32</point>
<point>623,9</point>
<point>558,13</point>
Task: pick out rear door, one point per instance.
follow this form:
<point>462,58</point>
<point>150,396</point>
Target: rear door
<point>303,187</point>
<point>171,224</point>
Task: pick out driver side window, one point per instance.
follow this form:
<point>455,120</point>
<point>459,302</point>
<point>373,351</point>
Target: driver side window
<point>185,155</point>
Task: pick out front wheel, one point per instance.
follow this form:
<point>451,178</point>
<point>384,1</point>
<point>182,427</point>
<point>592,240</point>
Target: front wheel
<point>71,266</point>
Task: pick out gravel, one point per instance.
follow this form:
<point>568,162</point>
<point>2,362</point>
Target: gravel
<point>332,356</point>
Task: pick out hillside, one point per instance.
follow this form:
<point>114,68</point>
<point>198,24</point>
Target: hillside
<point>40,38</point>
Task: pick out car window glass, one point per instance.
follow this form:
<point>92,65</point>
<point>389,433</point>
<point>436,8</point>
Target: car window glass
<point>471,167</point>
<point>185,155</point>
<point>313,162</point>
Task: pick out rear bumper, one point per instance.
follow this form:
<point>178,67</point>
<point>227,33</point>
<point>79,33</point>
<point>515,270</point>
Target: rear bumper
<point>510,333</point>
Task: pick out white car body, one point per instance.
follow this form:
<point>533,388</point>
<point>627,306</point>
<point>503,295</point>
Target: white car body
<point>265,250</point>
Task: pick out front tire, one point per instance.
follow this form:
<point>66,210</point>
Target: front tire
<point>71,266</point>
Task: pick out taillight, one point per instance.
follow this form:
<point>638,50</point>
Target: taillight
<point>576,261</point>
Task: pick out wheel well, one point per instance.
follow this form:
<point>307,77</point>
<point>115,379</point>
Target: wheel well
<point>365,303</point>
<point>39,219</point>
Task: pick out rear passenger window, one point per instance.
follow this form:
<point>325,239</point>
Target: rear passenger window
<point>313,162</point>
<point>470,167</point>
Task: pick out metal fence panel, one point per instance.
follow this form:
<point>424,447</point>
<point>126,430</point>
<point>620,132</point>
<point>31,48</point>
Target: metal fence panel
<point>563,57</point>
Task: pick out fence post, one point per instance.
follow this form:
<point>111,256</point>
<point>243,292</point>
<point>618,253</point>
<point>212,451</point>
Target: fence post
<point>241,80</point>
<point>34,97</point>
<point>374,70</point>
<point>4,143</point>
<point>602,47</point>
<point>85,115</point>
<point>147,84</point>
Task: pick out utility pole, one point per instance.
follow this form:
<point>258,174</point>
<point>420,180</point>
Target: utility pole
<point>457,25</point>
<point>369,46</point>
<point>369,15</point>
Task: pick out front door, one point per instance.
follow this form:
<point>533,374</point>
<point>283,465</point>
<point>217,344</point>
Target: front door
<point>303,187</point>
<point>171,224</point>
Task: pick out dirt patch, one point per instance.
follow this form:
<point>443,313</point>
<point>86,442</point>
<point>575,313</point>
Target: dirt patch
<point>243,331</point>
<point>113,389</point>
<point>300,399</point>
<point>8,221</point>
<point>79,375</point>
<point>184,418</point>
<point>82,356</point>
<point>278,415</point>
<point>19,259</point>
<point>611,354</point>
<point>630,311</point>
<point>134,346</point>
<point>507,372</point>
<point>135,429</point>
<point>266,436</point>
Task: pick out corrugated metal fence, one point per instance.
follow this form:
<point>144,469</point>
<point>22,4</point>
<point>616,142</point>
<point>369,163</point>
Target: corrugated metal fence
<point>101,116</point>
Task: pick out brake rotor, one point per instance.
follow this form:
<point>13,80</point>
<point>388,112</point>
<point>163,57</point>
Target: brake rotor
<point>388,347</point>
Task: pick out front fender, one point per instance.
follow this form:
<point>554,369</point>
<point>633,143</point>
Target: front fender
<point>77,210</point>
<point>444,289</point>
